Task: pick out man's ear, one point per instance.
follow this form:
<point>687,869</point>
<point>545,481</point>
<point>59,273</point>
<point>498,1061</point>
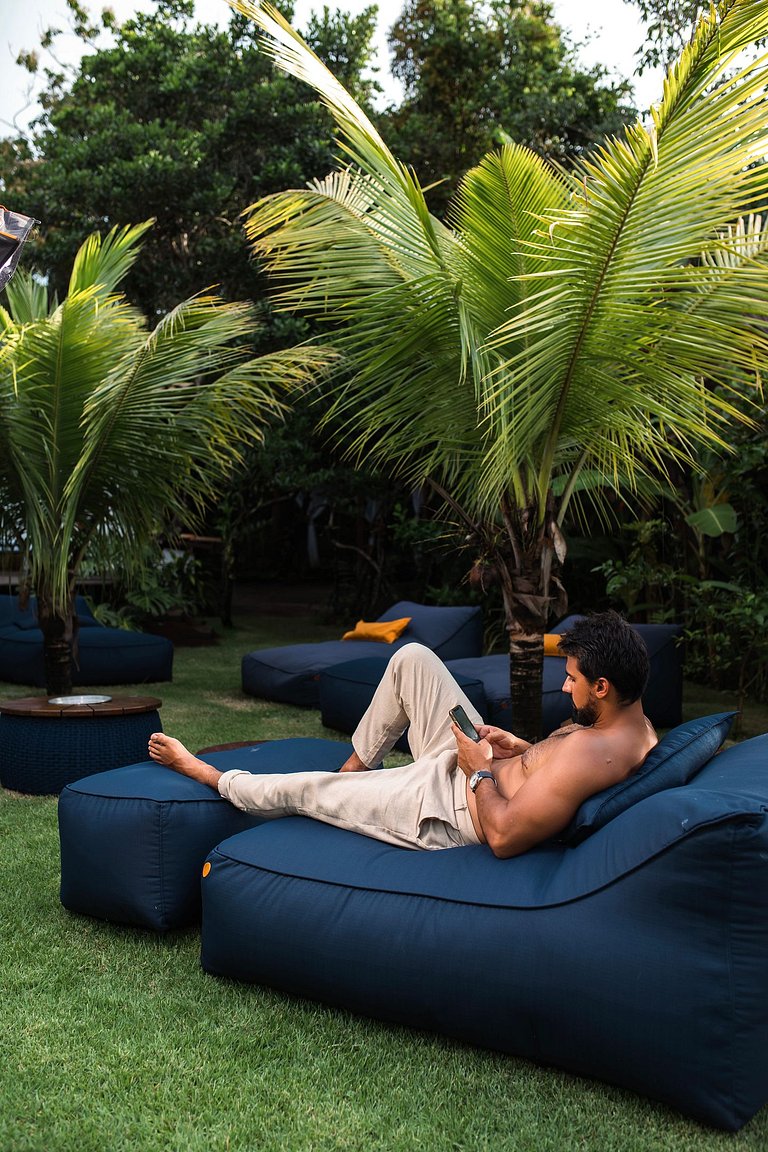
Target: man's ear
<point>602,687</point>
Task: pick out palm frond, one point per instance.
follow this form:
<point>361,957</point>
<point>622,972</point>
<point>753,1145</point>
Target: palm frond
<point>104,262</point>
<point>27,298</point>
<point>104,425</point>
<point>630,294</point>
<point>565,322</point>
<point>398,212</point>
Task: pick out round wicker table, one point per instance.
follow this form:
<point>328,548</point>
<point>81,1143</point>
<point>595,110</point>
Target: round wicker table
<point>44,746</point>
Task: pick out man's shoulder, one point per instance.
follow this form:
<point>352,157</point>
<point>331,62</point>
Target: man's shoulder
<point>563,746</point>
<point>604,755</point>
<point>578,739</point>
<point>581,746</point>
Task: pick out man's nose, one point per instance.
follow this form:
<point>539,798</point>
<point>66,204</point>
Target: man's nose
<point>566,686</point>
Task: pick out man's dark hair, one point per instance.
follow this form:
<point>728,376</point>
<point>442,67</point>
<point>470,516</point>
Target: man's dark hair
<point>604,644</point>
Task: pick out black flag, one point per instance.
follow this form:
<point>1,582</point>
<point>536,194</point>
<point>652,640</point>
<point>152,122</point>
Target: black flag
<point>14,230</point>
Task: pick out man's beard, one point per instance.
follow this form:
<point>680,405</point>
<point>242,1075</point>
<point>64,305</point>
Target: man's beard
<point>585,716</point>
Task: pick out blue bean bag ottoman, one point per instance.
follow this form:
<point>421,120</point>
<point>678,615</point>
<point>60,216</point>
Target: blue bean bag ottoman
<point>291,674</point>
<point>634,949</point>
<point>133,840</point>
<point>347,689</point>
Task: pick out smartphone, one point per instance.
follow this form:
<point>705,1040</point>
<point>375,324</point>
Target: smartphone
<point>459,716</point>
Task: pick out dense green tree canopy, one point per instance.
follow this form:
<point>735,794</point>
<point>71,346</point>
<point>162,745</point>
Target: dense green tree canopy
<point>185,123</point>
<point>189,124</point>
<point>473,70</point>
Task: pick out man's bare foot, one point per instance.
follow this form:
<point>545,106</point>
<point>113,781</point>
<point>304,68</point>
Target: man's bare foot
<point>171,753</point>
<point>354,764</point>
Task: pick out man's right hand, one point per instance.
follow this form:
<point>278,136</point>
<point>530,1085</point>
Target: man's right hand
<point>504,745</point>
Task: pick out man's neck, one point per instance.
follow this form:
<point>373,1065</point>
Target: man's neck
<point>617,715</point>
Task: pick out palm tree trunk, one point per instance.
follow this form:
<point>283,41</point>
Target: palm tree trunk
<point>528,572</point>
<point>57,648</point>
<point>525,628</point>
<point>526,672</point>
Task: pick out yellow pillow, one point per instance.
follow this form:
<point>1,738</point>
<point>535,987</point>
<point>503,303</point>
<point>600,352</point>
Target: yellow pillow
<point>385,630</point>
<point>551,640</point>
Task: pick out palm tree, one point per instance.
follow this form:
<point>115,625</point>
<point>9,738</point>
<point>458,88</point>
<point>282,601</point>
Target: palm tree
<point>106,427</point>
<point>557,340</point>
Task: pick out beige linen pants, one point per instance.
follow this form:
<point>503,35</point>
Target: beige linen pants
<point>420,805</point>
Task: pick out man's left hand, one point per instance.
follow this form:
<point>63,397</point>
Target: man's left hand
<point>472,755</point>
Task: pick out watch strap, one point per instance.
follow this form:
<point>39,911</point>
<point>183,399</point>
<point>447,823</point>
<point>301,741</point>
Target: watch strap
<point>483,774</point>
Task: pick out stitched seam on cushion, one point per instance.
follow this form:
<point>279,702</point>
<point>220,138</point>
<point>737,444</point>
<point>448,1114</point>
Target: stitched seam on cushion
<point>750,818</point>
<point>72,787</point>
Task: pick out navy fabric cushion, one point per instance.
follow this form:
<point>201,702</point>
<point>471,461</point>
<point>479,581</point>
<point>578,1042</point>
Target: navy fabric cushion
<point>104,655</point>
<point>450,630</point>
<point>493,671</point>
<point>133,839</point>
<point>27,619</point>
<point>637,957</point>
<point>27,622</point>
<point>673,762</point>
<point>662,700</point>
<point>291,674</point>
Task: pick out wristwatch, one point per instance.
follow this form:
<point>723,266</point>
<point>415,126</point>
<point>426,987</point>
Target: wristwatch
<point>476,777</point>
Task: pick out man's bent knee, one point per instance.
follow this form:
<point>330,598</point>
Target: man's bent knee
<point>412,653</point>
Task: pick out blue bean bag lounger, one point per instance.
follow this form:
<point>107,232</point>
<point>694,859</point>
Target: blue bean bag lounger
<point>291,674</point>
<point>104,655</point>
<point>663,699</point>
<point>634,949</point>
<point>346,689</point>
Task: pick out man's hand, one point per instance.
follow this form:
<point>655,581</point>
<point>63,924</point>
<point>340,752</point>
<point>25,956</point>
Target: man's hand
<point>472,755</point>
<point>503,744</point>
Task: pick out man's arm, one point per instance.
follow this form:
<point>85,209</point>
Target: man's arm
<point>535,813</point>
<point>545,802</point>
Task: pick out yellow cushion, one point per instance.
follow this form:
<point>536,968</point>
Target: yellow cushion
<point>384,630</point>
<point>551,641</point>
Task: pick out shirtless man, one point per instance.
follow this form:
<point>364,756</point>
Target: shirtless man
<point>500,791</point>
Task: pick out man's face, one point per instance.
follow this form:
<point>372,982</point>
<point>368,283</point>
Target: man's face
<point>584,704</point>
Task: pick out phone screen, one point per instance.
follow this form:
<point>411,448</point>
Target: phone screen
<point>459,716</point>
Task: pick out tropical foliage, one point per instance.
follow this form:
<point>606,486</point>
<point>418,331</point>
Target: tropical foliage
<point>559,341</point>
<point>107,427</point>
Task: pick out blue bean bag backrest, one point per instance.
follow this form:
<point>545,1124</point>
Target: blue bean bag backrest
<point>452,631</point>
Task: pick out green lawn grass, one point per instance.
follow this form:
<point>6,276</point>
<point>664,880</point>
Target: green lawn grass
<point>114,1040</point>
